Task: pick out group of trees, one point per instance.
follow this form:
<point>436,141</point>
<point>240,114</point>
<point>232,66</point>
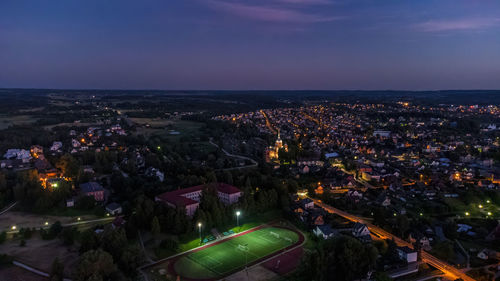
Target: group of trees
<point>111,247</point>
<point>341,258</point>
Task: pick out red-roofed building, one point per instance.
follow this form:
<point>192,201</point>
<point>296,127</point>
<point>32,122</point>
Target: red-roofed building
<point>190,197</point>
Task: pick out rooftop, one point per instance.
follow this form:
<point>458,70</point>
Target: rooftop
<point>176,197</point>
<point>91,187</point>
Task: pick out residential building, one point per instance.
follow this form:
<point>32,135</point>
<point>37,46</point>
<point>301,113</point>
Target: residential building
<point>92,189</point>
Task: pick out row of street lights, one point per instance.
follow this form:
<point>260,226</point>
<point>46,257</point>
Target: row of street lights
<point>238,213</point>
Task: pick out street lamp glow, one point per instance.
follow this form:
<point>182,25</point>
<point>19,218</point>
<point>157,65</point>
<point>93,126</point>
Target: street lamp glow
<point>199,229</point>
<point>480,206</point>
<point>489,213</point>
<point>46,223</point>
<point>78,219</point>
<point>421,214</point>
<point>238,213</point>
<point>488,201</point>
<point>13,227</point>
<point>467,213</point>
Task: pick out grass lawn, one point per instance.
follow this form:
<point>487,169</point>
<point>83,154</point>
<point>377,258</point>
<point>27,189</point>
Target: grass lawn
<point>191,244</point>
<point>247,223</point>
<point>473,209</point>
<point>244,227</point>
<point>220,259</point>
<point>70,212</point>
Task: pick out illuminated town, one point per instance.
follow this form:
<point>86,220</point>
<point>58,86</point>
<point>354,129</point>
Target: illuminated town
<point>264,140</point>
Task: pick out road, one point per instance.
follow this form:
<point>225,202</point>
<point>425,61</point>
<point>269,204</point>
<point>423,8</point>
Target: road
<point>254,163</point>
<point>358,180</point>
<point>8,208</point>
<point>446,268</point>
<point>268,123</point>
<point>102,220</point>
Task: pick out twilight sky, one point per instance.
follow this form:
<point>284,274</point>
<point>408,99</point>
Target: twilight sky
<point>250,44</point>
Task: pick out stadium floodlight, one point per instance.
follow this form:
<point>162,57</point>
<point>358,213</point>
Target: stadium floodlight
<point>199,229</point>
<point>238,213</point>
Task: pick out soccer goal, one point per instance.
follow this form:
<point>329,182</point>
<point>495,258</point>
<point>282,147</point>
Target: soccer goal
<point>243,248</point>
<point>274,234</point>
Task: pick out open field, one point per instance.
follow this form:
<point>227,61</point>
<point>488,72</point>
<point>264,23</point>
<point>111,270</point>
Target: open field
<point>73,124</point>
<point>6,121</point>
<point>171,129</point>
<point>40,253</point>
<point>228,256</point>
<point>153,122</point>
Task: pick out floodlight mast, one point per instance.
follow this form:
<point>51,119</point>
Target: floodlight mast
<point>199,229</point>
<point>238,213</point>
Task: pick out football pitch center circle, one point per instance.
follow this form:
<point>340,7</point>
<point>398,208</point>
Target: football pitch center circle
<point>235,253</point>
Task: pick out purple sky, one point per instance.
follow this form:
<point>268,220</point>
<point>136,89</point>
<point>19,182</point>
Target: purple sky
<point>250,44</point>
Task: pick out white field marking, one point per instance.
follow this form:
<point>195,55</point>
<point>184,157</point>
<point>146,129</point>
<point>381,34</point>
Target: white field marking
<point>267,239</point>
<point>213,259</point>
<point>274,234</point>
<point>203,265</point>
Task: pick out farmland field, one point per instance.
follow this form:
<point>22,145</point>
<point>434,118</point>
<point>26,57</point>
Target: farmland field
<point>6,121</point>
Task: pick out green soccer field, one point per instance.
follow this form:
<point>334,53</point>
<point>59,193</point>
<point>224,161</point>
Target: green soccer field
<point>223,258</point>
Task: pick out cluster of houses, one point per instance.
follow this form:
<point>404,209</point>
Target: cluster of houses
<point>93,138</point>
<point>51,177</point>
<point>381,150</point>
<point>317,220</point>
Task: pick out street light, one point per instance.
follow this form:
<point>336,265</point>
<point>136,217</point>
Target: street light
<point>238,213</point>
<point>466,213</point>
<point>13,227</point>
<point>46,223</point>
<point>199,229</point>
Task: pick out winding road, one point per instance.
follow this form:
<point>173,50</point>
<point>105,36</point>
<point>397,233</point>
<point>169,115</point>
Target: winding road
<point>254,163</point>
